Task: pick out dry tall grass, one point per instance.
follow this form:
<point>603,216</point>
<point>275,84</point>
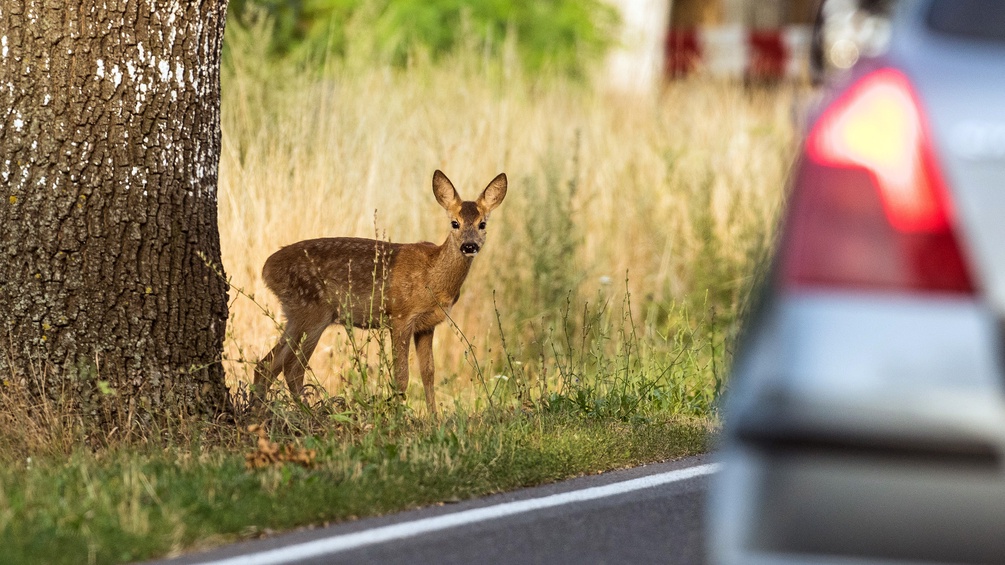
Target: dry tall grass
<point>672,197</point>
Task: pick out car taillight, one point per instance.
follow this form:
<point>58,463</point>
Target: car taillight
<point>869,206</point>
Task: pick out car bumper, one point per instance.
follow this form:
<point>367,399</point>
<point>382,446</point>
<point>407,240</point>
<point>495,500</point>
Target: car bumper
<point>864,430</point>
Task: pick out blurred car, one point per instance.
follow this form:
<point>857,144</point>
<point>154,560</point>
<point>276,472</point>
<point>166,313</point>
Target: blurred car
<point>865,419</point>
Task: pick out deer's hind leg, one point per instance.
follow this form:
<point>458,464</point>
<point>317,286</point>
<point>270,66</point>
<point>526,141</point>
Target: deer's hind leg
<point>302,344</point>
<point>267,369</point>
<point>291,354</point>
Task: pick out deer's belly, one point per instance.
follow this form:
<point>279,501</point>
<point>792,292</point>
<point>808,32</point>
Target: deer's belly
<point>363,316</point>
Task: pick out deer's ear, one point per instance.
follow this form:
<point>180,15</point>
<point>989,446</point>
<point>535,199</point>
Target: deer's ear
<point>493,194</point>
<point>445,192</point>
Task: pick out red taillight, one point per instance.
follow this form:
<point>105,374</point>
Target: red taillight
<point>869,207</point>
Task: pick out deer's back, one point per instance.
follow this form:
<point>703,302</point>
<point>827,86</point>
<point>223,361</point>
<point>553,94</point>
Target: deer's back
<point>341,278</point>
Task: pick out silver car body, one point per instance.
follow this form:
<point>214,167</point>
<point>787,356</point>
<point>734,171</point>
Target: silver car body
<point>868,426</point>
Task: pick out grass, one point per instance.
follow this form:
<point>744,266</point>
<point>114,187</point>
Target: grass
<point>136,503</point>
<point>593,332</point>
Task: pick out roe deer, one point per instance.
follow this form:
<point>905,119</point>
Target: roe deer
<point>406,287</point>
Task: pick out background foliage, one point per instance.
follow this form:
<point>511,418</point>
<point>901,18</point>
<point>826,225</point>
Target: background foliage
<point>623,253</point>
<point>561,34</point>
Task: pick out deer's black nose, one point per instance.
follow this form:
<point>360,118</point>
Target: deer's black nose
<point>469,248</point>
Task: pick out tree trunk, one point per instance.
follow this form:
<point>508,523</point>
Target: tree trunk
<point>109,151</point>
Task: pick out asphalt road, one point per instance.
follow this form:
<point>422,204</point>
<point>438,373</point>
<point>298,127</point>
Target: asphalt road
<point>649,514</point>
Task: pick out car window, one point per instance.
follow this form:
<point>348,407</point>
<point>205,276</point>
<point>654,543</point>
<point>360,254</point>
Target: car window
<point>977,19</point>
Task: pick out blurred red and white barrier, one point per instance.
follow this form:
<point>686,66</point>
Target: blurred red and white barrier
<point>736,52</point>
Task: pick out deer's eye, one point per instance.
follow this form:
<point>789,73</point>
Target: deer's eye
<point>455,224</point>
<point>481,225</point>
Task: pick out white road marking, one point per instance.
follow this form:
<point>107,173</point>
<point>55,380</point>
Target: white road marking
<point>327,546</point>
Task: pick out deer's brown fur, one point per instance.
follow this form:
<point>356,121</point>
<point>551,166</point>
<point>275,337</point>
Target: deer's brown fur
<point>408,288</point>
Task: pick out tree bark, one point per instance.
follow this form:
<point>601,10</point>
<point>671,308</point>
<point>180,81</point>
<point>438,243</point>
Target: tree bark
<point>109,151</point>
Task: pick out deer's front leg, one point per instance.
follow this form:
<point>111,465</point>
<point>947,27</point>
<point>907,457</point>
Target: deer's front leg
<point>401,335</point>
<point>424,351</point>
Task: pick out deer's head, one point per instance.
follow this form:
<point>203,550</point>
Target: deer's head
<point>468,219</point>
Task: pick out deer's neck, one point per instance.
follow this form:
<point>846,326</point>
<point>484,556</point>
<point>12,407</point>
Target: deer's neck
<point>449,269</point>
